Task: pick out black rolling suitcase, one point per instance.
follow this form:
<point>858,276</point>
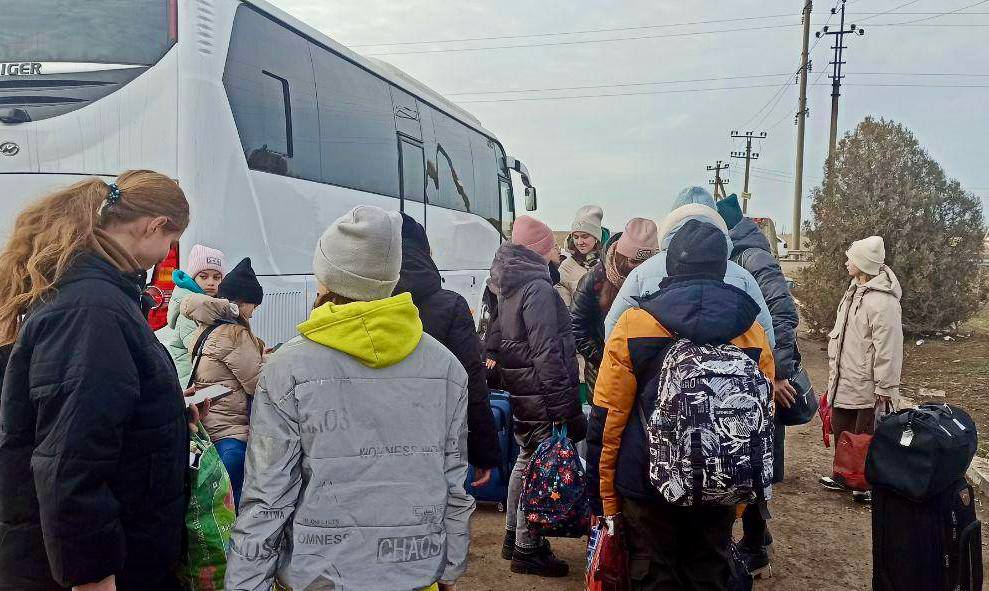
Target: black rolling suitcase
<point>934,545</point>
<point>925,533</point>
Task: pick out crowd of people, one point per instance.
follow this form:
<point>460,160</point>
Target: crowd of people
<point>347,447</point>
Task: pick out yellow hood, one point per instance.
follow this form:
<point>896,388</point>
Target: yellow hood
<point>379,333</point>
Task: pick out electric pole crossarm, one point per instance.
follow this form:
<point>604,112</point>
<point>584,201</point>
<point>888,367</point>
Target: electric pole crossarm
<point>718,182</point>
<point>749,156</point>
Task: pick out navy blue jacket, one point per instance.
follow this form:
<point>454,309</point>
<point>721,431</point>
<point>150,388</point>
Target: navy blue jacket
<point>752,252</point>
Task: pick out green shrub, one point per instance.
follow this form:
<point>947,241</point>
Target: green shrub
<point>883,183</point>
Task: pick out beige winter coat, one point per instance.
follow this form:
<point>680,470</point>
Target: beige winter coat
<point>232,356</point>
<point>571,272</point>
<point>865,347</point>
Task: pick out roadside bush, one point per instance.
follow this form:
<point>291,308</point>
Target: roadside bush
<point>884,183</point>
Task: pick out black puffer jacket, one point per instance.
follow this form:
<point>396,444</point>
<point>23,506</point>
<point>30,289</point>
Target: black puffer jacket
<point>93,441</point>
<point>537,356</point>
<point>446,317</point>
<point>588,317</point>
<point>753,253</point>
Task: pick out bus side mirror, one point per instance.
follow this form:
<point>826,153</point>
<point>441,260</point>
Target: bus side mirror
<point>530,199</point>
<point>515,164</point>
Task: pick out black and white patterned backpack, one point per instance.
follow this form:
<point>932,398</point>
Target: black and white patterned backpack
<point>711,431</point>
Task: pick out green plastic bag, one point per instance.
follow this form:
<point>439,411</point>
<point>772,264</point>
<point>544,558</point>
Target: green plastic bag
<point>209,516</point>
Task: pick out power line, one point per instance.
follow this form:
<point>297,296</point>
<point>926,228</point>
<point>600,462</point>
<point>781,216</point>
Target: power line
<point>624,29</point>
<point>689,90</point>
<point>918,85</point>
<point>580,96</point>
<point>778,95</point>
<point>584,32</point>
<point>890,10</point>
<point>959,74</point>
<point>927,18</point>
<point>583,41</point>
<point>684,81</point>
<point>641,37</point>
<point>617,85</point>
<point>782,172</point>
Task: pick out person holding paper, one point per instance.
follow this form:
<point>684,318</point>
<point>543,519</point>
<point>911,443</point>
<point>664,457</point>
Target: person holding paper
<point>231,356</point>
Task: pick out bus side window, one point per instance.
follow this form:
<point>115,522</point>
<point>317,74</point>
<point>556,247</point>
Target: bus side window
<point>356,126</point>
<point>454,163</point>
<point>452,192</point>
<point>272,92</point>
<point>486,193</point>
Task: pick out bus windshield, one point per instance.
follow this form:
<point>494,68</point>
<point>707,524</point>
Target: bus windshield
<point>137,32</point>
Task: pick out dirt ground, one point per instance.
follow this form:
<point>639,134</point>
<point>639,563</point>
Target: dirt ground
<point>823,539</point>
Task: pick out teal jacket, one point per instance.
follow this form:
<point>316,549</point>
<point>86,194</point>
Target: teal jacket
<point>181,326</point>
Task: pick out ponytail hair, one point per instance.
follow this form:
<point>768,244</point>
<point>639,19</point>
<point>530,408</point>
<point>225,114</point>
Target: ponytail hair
<point>50,232</point>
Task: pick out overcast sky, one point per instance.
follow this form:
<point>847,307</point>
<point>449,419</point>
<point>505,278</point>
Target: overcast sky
<point>632,154</point>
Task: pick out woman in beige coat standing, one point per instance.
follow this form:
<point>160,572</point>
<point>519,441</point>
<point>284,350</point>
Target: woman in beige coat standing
<point>584,246</point>
<point>865,347</point>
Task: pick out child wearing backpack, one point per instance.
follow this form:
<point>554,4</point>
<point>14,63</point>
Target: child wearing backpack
<point>231,355</point>
<point>682,418</point>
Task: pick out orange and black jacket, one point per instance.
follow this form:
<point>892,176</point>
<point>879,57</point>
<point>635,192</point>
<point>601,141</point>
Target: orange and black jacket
<point>705,311</point>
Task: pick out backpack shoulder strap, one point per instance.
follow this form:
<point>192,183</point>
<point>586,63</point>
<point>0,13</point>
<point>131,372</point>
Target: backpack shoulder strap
<point>197,349</point>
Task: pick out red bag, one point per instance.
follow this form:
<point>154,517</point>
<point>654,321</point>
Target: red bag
<point>849,457</point>
<point>607,568</point>
<point>849,460</point>
<point>824,409</point>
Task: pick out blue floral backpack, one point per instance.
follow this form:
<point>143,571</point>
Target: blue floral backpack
<point>554,497</point>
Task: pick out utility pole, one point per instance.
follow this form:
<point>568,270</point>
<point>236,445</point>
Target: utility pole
<point>802,112</point>
<point>839,48</point>
<point>718,182</point>
<point>749,156</point>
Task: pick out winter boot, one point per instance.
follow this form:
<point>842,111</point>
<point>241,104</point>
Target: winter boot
<point>757,561</point>
<point>508,546</point>
<point>538,561</point>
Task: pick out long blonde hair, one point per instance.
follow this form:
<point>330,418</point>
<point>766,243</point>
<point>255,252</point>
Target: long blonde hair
<point>50,232</point>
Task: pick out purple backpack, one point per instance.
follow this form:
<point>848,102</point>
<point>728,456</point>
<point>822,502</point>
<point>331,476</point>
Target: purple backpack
<point>554,497</point>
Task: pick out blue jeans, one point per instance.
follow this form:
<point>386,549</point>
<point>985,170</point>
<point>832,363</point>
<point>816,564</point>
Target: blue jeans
<point>232,452</point>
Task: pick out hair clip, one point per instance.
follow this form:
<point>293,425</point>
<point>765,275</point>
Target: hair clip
<point>113,197</point>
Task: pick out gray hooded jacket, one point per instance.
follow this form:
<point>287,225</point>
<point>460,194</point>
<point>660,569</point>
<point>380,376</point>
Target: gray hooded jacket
<point>693,203</point>
<point>357,458</point>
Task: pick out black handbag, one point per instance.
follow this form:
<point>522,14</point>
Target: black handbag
<point>919,452</point>
<point>804,408</point>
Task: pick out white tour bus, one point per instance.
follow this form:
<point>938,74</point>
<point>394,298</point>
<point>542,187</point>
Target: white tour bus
<point>272,129</point>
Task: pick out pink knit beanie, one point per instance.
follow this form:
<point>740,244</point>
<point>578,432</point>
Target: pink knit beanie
<point>639,241</point>
<point>533,234</point>
<point>203,258</point>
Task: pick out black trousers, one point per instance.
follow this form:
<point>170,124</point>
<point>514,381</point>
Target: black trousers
<point>754,525</point>
<point>678,548</point>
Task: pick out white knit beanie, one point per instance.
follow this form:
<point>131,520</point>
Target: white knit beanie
<point>360,255</point>
<point>203,258</point>
<point>868,254</point>
<point>588,219</point>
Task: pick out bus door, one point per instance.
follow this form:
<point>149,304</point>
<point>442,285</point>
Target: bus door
<point>412,160</point>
